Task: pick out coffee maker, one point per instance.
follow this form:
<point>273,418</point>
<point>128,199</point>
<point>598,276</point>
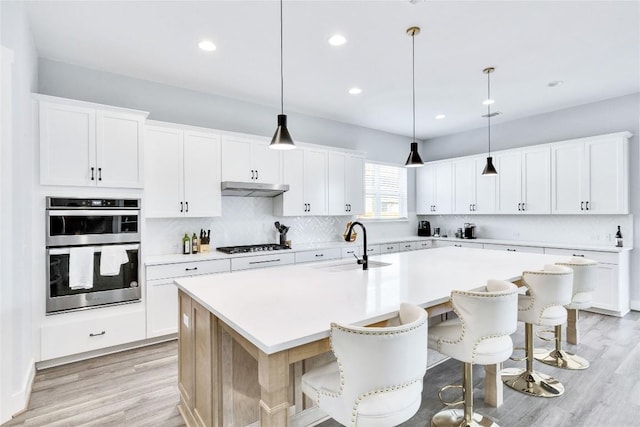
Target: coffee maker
<point>424,228</point>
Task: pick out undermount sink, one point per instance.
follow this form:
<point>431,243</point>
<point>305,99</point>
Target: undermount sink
<point>350,266</point>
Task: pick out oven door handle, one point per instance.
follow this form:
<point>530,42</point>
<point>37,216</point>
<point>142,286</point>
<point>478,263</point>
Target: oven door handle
<point>65,251</point>
<point>93,212</point>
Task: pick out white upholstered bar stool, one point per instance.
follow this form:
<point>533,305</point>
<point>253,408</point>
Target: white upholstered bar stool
<point>480,335</point>
<point>585,277</point>
<point>377,377</point>
<point>547,292</point>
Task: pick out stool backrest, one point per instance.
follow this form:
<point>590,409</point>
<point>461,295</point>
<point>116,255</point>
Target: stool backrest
<point>486,315</point>
<point>381,359</point>
<point>547,289</point>
<point>585,277</point>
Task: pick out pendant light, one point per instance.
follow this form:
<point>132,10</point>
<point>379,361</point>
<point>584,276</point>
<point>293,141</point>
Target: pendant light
<point>489,169</point>
<point>414,160</point>
<point>281,138</point>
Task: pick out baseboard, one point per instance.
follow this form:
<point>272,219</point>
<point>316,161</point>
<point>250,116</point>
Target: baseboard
<point>19,401</point>
<point>634,305</point>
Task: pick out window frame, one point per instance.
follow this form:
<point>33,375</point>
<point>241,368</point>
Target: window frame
<point>403,199</point>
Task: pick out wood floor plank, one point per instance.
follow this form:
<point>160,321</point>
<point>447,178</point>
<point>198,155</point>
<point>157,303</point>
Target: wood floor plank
<point>138,388</point>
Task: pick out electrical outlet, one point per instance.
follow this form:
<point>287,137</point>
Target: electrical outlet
<point>185,319</point>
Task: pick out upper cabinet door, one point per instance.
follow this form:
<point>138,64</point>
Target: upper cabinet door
<point>202,175</point>
<point>354,184</point>
<point>536,180</point>
<point>509,182</point>
<point>444,188</point>
<point>607,176</point>
<point>67,145</point>
<point>567,175</point>
<point>485,202</point>
<point>292,203</point>
<point>164,175</point>
<point>464,180</point>
<point>266,163</point>
<point>425,189</point>
<point>119,150</point>
<point>337,184</point>
<point>315,181</point>
<point>236,159</point>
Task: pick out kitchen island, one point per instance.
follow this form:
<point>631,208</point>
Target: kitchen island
<point>245,338</point>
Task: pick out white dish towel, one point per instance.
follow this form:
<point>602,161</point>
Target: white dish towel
<point>112,258</point>
<point>81,268</point>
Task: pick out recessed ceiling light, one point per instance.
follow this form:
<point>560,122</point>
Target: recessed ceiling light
<point>488,102</point>
<point>555,83</point>
<point>337,40</point>
<point>440,116</point>
<point>207,45</point>
<point>355,91</point>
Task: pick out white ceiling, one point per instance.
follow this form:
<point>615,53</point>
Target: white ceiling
<point>592,46</point>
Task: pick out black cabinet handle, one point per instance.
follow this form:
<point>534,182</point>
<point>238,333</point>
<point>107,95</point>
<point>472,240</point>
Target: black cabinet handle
<point>458,246</point>
<point>191,269</point>
<point>346,207</point>
<point>257,174</point>
<point>587,204</point>
<point>319,255</point>
<point>99,174</point>
<point>511,250</point>
<point>523,207</point>
<point>470,207</point>
<point>181,207</point>
<point>92,176</point>
<point>580,255</point>
<point>265,261</point>
<point>187,205</point>
<point>98,334</point>
<point>581,206</point>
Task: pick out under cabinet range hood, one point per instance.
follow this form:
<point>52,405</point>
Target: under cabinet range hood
<point>252,189</point>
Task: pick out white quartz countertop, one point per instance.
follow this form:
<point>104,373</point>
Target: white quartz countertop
<point>283,307</point>
<point>176,258</point>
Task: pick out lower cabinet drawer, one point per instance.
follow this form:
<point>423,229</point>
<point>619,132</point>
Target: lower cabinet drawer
<point>514,248</point>
<point>424,244</point>
<point>186,269</point>
<point>407,246</point>
<point>351,251</point>
<point>605,257</point>
<point>90,330</point>
<point>262,261</point>
<point>373,249</point>
<point>387,248</point>
<point>319,255</point>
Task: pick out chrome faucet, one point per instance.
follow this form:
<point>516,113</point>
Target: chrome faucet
<point>365,259</point>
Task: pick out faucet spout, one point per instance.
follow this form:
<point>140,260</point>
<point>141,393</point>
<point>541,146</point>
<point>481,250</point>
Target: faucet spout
<point>365,259</point>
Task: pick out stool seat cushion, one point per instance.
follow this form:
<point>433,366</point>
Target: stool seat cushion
<point>581,301</point>
<point>483,351</point>
<point>551,316</point>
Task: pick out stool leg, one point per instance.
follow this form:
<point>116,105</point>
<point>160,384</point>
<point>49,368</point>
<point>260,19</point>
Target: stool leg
<point>573,331</point>
<point>560,358</point>
<point>527,380</point>
<point>465,418</point>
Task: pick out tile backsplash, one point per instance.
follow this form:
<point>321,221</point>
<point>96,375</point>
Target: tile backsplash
<point>596,230</point>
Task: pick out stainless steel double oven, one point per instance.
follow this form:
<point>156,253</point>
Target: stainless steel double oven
<point>92,224</point>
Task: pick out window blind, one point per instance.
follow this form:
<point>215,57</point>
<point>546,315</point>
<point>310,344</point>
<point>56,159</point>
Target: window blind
<point>385,191</point>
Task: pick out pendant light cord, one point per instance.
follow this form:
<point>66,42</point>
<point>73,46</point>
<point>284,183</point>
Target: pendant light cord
<point>281,66</point>
<point>413,82</point>
<point>489,109</point>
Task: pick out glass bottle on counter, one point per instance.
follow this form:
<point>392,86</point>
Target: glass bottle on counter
<point>618,238</point>
<point>186,244</point>
<point>194,244</point>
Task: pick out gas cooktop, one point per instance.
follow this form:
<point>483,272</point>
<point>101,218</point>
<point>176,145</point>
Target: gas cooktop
<point>264,247</point>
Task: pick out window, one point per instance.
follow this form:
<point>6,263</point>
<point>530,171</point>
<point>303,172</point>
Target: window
<point>385,191</point>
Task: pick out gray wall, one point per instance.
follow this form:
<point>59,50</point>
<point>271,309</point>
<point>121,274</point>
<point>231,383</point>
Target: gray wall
<point>608,116</point>
<point>19,161</point>
<point>172,104</point>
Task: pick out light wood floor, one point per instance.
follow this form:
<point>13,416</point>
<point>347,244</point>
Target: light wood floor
<point>139,387</point>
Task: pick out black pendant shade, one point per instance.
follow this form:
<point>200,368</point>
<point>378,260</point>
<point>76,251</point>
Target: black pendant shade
<point>489,169</point>
<point>414,160</point>
<point>281,139</point>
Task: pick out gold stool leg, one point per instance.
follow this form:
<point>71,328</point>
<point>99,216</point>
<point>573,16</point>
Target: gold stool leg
<point>527,380</point>
<point>466,417</point>
<point>560,358</point>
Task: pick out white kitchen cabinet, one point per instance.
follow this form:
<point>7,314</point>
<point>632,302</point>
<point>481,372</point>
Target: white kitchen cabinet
<point>246,159</point>
<point>591,175</point>
<point>434,190</point>
<point>457,244</point>
<point>514,248</point>
<point>84,144</point>
<point>388,248</point>
<point>473,193</point>
<point>424,244</point>
<point>612,290</point>
<point>182,169</point>
<point>373,250</point>
<point>407,246</point>
<point>162,293</point>
<point>305,170</point>
<point>345,183</point>
<point>318,255</point>
<point>351,251</point>
<point>524,180</point>
<point>261,261</point>
<point>67,334</point>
